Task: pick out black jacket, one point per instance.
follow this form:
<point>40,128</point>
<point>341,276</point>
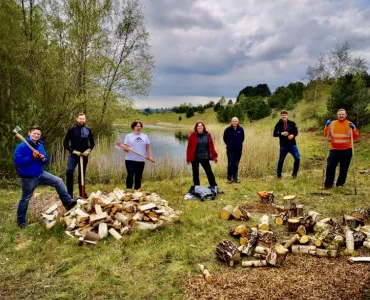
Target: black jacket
<point>79,138</point>
<point>291,128</point>
<point>234,138</point>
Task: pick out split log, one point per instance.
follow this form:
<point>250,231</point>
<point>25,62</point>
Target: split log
<point>207,276</point>
<point>243,240</point>
<point>227,252</point>
<point>51,224</point>
<point>148,206</point>
<point>291,241</point>
<point>304,239</point>
<point>301,230</point>
<point>240,230</point>
<point>304,249</point>
<point>276,255</point>
<point>145,225</point>
<point>101,216</point>
<point>254,263</point>
<point>115,234</point>
<point>264,223</point>
<point>241,213</point>
<point>51,209</point>
<point>122,218</point>
<point>98,209</point>
<point>293,224</point>
<point>226,212</point>
<point>103,230</point>
<point>125,230</point>
<point>49,218</point>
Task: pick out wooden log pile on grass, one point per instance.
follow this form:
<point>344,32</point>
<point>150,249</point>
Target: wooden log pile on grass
<point>115,213</point>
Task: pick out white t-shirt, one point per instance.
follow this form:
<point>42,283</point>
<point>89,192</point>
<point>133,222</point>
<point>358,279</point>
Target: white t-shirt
<point>138,144</point>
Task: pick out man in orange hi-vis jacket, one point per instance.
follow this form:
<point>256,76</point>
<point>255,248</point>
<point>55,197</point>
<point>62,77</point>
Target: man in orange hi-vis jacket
<point>339,132</point>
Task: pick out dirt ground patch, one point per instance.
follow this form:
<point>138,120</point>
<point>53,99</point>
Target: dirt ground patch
<point>301,277</point>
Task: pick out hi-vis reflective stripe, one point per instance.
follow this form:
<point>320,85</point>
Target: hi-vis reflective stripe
<point>339,135</point>
<point>340,141</point>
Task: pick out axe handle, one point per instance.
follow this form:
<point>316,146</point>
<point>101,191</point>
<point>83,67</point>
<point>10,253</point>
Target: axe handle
<point>21,137</point>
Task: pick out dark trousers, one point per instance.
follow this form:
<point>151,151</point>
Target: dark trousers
<point>341,157</point>
<point>233,159</point>
<point>134,169</point>
<point>293,150</point>
<point>30,184</point>
<point>207,168</point>
<point>73,161</point>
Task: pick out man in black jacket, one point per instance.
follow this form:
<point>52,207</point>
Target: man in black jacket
<point>78,141</point>
<point>233,138</point>
<point>287,130</point>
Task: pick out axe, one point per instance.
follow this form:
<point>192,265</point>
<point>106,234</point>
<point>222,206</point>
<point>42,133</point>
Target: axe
<point>21,137</point>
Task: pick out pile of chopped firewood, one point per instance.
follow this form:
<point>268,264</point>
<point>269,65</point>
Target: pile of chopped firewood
<point>116,212</point>
<point>313,234</point>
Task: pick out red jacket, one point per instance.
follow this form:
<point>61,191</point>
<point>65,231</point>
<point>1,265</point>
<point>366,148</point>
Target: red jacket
<point>192,146</point>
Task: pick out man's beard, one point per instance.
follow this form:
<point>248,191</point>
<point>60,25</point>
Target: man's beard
<point>82,124</point>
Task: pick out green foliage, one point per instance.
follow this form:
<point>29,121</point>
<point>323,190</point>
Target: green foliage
<point>282,98</point>
<point>189,112</point>
<point>255,107</point>
<point>350,92</point>
<point>200,109</point>
<point>262,90</point>
<point>297,88</point>
<point>220,104</point>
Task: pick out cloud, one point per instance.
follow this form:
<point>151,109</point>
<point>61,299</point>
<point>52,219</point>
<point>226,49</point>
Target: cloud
<point>212,48</point>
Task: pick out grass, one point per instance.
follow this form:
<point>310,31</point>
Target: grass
<point>41,264</point>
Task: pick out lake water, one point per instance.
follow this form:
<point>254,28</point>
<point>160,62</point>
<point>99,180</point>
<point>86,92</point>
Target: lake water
<point>164,141</point>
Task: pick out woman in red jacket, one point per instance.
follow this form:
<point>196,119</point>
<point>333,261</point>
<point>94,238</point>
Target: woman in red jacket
<point>201,150</point>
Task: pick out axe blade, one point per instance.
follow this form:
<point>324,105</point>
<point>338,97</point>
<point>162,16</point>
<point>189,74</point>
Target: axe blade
<point>17,129</point>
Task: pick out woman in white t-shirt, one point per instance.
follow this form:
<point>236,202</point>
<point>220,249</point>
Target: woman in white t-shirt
<point>139,142</point>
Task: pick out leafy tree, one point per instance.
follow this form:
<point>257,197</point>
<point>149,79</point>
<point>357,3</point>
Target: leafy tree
<point>350,92</point>
<point>255,107</point>
<point>281,97</point>
<point>297,88</point>
<point>230,102</point>
<point>260,90</point>
<point>200,109</point>
<point>220,104</point>
<point>189,113</point>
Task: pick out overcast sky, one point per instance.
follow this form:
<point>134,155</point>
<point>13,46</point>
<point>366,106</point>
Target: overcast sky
<point>205,49</point>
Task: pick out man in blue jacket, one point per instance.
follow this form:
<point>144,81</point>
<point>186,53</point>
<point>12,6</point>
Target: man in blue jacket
<point>30,165</point>
<point>233,138</point>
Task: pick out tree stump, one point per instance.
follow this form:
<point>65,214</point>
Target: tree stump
<point>227,252</point>
<point>293,224</point>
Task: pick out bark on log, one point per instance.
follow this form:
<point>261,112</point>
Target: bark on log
<point>358,239</point>
<point>299,209</point>
<point>254,263</point>
<point>206,274</point>
<point>241,213</point>
<point>360,213</point>
<point>266,238</point>
<point>261,250</point>
<point>291,241</point>
<point>293,224</point>
<point>252,243</point>
<point>326,252</point>
<point>352,222</point>
<point>304,249</point>
<point>226,212</point>
<point>276,255</point>
<point>227,252</point>
<point>259,256</point>
<point>264,223</point>
<point>240,230</point>
<point>266,197</point>
<point>91,236</point>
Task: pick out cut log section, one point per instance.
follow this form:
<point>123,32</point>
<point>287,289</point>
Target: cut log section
<point>264,223</point>
<point>51,209</point>
<point>103,230</point>
<point>366,244</point>
<point>206,274</point>
<point>241,213</point>
<point>254,263</point>
<point>293,224</point>
<point>298,249</point>
<point>360,213</point>
<point>266,238</point>
<point>226,212</point>
<point>227,252</point>
<point>304,239</point>
<point>281,219</point>
<point>276,255</point>
<point>266,197</point>
<point>301,230</point>
<point>148,206</point>
<point>326,252</point>
<point>115,234</point>
<point>294,239</point>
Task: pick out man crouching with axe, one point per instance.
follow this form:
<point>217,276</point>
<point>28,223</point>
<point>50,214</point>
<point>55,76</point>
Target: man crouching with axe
<point>30,158</point>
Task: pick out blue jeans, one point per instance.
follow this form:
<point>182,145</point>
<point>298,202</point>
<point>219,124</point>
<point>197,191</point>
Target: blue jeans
<point>233,159</point>
<point>30,184</point>
<point>293,150</point>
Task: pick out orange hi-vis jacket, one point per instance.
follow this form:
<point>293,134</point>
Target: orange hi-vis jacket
<point>340,134</point>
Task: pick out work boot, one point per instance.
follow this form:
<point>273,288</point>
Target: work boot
<point>236,180</point>
<point>294,176</point>
<point>229,181</point>
<point>278,177</point>
<point>71,205</point>
<point>22,225</point>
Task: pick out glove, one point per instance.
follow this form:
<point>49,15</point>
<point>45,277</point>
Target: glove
<point>75,152</point>
<point>290,136</point>
<point>41,156</point>
<point>351,125</point>
<point>36,154</point>
<point>327,123</point>
<point>87,152</point>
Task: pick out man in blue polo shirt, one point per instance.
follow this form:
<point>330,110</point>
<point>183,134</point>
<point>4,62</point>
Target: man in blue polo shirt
<point>233,138</point>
